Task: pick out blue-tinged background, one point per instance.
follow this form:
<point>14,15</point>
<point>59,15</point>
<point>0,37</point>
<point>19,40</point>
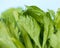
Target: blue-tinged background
<point>43,4</point>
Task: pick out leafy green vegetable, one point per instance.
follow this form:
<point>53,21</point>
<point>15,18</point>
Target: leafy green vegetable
<point>29,28</point>
<point>5,39</point>
<point>57,21</point>
<point>41,17</point>
<point>10,22</point>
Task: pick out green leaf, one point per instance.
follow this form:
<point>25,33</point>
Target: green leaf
<point>10,17</point>
<point>5,40</point>
<point>40,16</point>
<point>53,40</point>
<point>26,38</point>
<point>31,27</point>
<point>52,14</point>
<point>57,21</point>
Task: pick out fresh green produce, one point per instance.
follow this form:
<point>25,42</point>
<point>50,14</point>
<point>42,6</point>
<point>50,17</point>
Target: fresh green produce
<point>30,28</point>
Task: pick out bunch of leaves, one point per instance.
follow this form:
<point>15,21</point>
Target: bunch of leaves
<point>30,28</point>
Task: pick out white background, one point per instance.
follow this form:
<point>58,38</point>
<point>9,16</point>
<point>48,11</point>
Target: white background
<point>43,4</point>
